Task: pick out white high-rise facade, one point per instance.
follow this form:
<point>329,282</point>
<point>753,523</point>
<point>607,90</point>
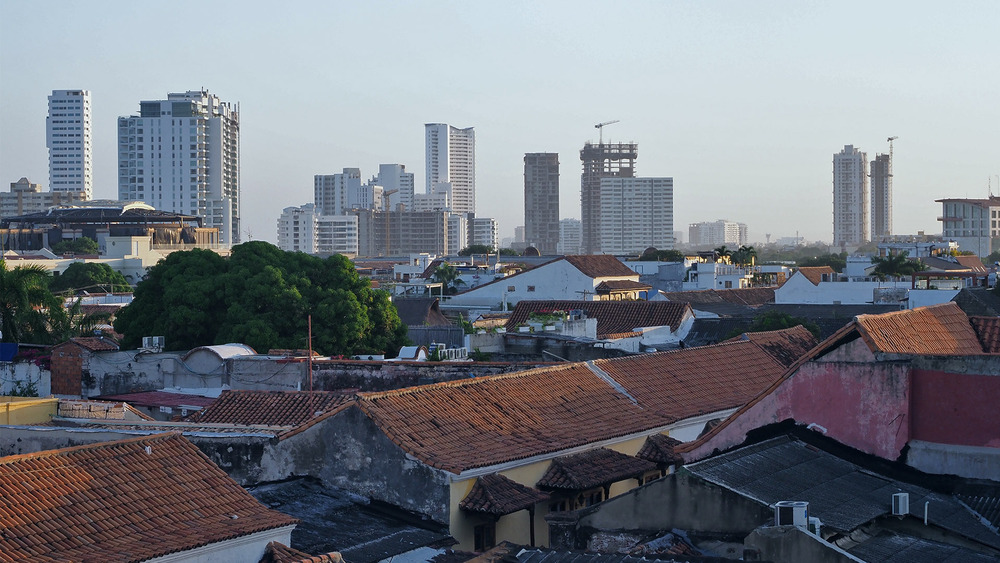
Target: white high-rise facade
<point>716,233</point>
<point>451,158</point>
<point>850,197</point>
<point>485,231</point>
<point>68,137</point>
<point>336,194</point>
<point>397,184</point>
<point>570,236</point>
<point>182,155</point>
<point>636,213</point>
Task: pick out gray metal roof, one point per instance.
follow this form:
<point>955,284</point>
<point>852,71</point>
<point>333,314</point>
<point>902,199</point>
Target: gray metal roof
<point>843,495</point>
<point>892,548</point>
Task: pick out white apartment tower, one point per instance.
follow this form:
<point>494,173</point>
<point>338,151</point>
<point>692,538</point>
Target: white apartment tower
<point>636,213</point>
<point>303,229</point>
<point>850,197</point>
<point>397,184</point>
<point>570,236</point>
<point>68,137</point>
<point>717,233</point>
<point>182,155</point>
<point>451,158</point>
<point>336,194</point>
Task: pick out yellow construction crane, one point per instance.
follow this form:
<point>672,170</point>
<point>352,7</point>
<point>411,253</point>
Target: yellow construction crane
<point>600,127</point>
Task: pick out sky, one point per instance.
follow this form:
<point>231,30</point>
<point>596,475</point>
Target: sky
<point>742,103</point>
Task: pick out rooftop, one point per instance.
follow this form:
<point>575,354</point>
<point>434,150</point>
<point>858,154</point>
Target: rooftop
<point>270,408</point>
<point>936,330</point>
<point>815,273</point>
<point>613,317</point>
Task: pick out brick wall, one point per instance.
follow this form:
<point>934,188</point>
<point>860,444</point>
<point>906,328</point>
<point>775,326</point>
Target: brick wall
<point>67,368</point>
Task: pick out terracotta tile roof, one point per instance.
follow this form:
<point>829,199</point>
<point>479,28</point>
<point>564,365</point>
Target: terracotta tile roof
<point>161,399</point>
<point>613,317</point>
<point>465,424</point>
<point>280,553</point>
<point>659,448</point>
<point>592,469</point>
<point>973,263</point>
<point>95,343</point>
<point>99,410</point>
<point>936,330</point>
<point>600,266</point>
<point>988,331</point>
<point>270,408</point>
<point>496,494</point>
<point>815,273</point>
<point>748,296</point>
<point>421,311</point>
<point>786,345</point>
<point>622,285</point>
<point>128,500</point>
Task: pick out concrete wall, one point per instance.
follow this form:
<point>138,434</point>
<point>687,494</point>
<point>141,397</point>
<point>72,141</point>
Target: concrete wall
<point>24,372</point>
<point>965,461</point>
<point>953,408</point>
<point>27,410</point>
<point>788,544</point>
<point>556,280</point>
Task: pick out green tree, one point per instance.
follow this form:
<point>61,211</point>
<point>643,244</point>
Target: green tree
<point>476,249</point>
<point>509,252</point>
<point>836,261</point>
<point>75,322</point>
<point>744,256</point>
<point>89,276</point>
<point>82,245</point>
<point>723,253</point>
<point>651,254</point>
<point>776,320</point>
<point>896,265</point>
<point>26,304</point>
<point>447,275</point>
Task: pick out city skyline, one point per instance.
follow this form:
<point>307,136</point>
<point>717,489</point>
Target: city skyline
<point>742,106</point>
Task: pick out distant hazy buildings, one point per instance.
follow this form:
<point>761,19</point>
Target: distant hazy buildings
<point>25,198</point>
<point>570,237</point>
<point>541,200</point>
<point>636,213</point>
<point>717,233</point>
<point>297,229</point>
<point>881,196</point>
<point>451,159</point>
<point>603,160</point>
<point>485,232</point>
<point>182,155</point>
<point>973,223</point>
<point>850,197</point>
<point>397,186</point>
<point>395,233</point>
<point>336,194</point>
<point>68,137</point>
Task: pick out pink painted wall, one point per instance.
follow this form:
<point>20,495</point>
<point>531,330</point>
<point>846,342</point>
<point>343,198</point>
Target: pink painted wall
<point>961,409</point>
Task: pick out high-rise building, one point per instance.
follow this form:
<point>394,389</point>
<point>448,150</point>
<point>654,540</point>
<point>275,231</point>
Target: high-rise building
<point>570,236</point>
<point>850,197</point>
<point>881,185</point>
<point>26,198</point>
<point>303,229</point>
<point>68,137</point>
<point>182,155</point>
<point>717,233</point>
<point>485,232</point>
<point>541,201</point>
<point>396,233</point>
<point>451,158</point>
<point>636,213</point>
<point>336,194</point>
<point>397,184</point>
<point>603,160</point>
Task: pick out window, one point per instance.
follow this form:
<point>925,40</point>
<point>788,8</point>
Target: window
<point>485,536</point>
<point>510,288</point>
<point>531,288</point>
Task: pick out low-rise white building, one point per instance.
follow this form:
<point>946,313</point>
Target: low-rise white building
<point>973,223</point>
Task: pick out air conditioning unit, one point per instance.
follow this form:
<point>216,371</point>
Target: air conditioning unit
<point>791,513</point>
<point>814,525</point>
<point>900,504</point>
<point>153,343</point>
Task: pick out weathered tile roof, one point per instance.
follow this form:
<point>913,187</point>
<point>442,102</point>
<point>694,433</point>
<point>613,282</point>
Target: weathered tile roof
<point>270,408</point>
<point>888,547</point>
<point>128,500</point>
<point>971,262</point>
<point>99,410</point>
<point>498,495</point>
<point>749,296</point>
<point>95,343</point>
<point>988,331</point>
<point>786,345</point>
<point>622,285</point>
<point>465,424</point>
<point>613,317</point>
<point>815,273</point>
<point>420,311</point>
<point>160,399</point>
<point>600,266</point>
<point>936,330</point>
<point>978,301</point>
<point>277,552</point>
<point>659,448</point>
<point>593,468</point>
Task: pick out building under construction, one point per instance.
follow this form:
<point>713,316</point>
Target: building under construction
<point>603,160</point>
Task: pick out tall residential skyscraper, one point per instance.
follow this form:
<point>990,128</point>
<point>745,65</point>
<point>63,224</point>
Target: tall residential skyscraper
<point>182,155</point>
<point>541,200</point>
<point>603,160</point>
<point>67,135</point>
<point>636,213</point>
<point>850,197</point>
<point>398,185</point>
<point>336,194</point>
<point>881,179</point>
<point>451,158</point>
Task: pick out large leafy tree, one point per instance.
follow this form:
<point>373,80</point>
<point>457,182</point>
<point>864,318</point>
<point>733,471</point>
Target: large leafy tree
<point>263,297</point>
<point>896,265</point>
<point>89,276</point>
<point>26,304</point>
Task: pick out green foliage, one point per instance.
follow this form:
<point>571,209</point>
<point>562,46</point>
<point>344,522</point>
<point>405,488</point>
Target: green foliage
<point>261,296</point>
<point>82,245</point>
<point>745,256</point>
<point>723,253</point>
<point>479,356</point>
<point>89,276</point>
<point>476,249</point>
<point>896,265</point>
<point>447,275</point>
<point>651,254</point>
<point>24,388</point>
<point>993,258</point>
<point>836,261</point>
<point>776,320</point>
<point>27,305</point>
<point>509,252</point>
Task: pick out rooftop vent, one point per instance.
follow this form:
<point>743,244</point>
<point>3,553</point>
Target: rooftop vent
<point>900,504</point>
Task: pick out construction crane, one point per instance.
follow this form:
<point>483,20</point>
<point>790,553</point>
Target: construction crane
<point>600,127</point>
<point>890,140</point>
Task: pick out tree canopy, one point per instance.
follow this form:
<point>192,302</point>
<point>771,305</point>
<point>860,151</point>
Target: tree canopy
<point>476,249</point>
<point>82,245</point>
<point>26,304</point>
<point>896,265</point>
<point>261,296</point>
<point>89,276</point>
<point>652,253</point>
<point>836,261</point>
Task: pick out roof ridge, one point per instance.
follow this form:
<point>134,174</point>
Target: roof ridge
<point>94,446</point>
<point>463,382</point>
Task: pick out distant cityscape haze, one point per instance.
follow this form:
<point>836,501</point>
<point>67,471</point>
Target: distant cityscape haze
<point>743,104</point>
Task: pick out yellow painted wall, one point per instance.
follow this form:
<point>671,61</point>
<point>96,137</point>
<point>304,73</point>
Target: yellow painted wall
<point>27,410</point>
<point>514,527</point>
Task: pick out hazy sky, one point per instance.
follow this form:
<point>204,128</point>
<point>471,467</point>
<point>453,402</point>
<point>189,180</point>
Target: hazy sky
<point>742,103</point>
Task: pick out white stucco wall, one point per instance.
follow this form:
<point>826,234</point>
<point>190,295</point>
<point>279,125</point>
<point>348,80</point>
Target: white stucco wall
<point>556,280</point>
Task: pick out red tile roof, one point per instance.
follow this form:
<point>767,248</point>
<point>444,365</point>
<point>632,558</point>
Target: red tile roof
<point>95,343</point>
<point>280,553</point>
<point>99,410</point>
<point>786,345</point>
<point>270,408</point>
<point>461,425</point>
<point>659,448</point>
<point>592,469</point>
<point>749,296</point>
<point>988,331</point>
<point>973,263</point>
<point>622,285</point>
<point>600,266</point>
<point>936,330</point>
<point>160,399</point>
<point>613,317</point>
<point>815,273</point>
<point>498,495</point>
<point>128,500</point>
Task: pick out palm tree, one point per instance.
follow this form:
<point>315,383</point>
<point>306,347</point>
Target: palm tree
<point>723,253</point>
<point>745,256</point>
<point>895,266</point>
<point>24,299</point>
<point>447,275</point>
